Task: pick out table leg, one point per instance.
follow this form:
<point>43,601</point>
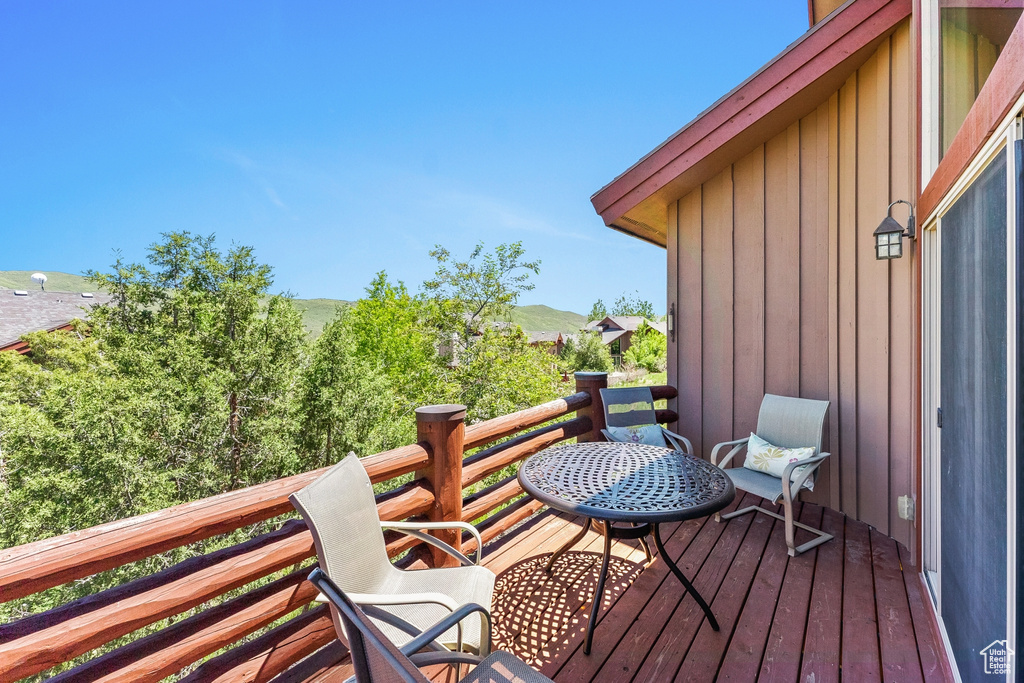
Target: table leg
<point>568,544</point>
<point>679,575</point>
<point>599,592</point>
<point>643,543</point>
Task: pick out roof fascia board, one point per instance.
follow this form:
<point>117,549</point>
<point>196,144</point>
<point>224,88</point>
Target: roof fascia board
<point>828,46</point>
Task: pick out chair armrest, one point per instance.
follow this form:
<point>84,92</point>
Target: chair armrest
<point>414,528</point>
<point>739,444</point>
<point>448,622</point>
<point>678,441</point>
<point>811,464</point>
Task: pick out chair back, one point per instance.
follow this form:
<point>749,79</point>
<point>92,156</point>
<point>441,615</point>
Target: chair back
<point>341,513</point>
<point>374,657</point>
<point>792,422</point>
<point>628,407</point>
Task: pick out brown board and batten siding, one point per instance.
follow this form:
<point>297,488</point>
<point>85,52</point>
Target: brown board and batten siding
<point>776,288</point>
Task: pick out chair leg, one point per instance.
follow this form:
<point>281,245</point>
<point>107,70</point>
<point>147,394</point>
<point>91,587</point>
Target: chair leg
<point>791,524</point>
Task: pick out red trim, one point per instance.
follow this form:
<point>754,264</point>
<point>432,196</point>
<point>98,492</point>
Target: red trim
<point>810,13</point>
<point>782,81</point>
<point>1001,91</point>
<point>21,346</point>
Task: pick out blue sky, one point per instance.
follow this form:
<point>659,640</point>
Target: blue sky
<point>340,139</point>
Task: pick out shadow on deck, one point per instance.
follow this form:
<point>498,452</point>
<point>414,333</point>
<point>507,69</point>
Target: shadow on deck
<point>843,610</point>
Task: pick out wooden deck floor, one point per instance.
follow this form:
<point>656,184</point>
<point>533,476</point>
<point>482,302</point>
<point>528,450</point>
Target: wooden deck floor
<point>843,611</point>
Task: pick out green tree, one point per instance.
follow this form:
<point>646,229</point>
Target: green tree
<point>633,305</point>
<point>482,287</point>
<point>585,352</point>
<point>597,311</point>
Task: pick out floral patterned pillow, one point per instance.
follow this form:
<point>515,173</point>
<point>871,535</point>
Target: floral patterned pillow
<point>648,434</point>
<point>765,457</point>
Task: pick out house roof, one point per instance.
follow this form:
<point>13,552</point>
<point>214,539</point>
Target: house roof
<point>611,335</point>
<point>32,311</point>
<point>782,91</point>
<point>549,337</point>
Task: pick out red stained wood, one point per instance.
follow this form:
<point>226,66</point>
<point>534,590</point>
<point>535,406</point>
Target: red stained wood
<point>480,465</point>
<point>34,567</point>
<point>591,385</point>
<point>825,618</point>
<point>748,296</point>
<point>272,653</point>
<point>38,650</point>
<point>705,654</point>
<point>168,651</point>
<point>498,428</point>
<point>1001,91</point>
<point>443,427</point>
<point>750,636</point>
<point>784,83</point>
<point>784,650</point>
<point>782,272</point>
<point>329,664</point>
<point>861,661</point>
<point>934,664</point>
<point>690,321</point>
<point>487,499</point>
<point>662,391</point>
<point>671,646</point>
<point>501,522</point>
<point>717,327</point>
<point>897,645</point>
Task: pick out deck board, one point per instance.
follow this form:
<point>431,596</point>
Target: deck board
<point>852,608</point>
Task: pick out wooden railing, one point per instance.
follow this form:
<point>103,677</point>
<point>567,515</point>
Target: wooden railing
<point>221,636</point>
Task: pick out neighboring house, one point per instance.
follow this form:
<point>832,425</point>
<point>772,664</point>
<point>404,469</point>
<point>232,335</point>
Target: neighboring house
<point>767,204</point>
<point>24,311</point>
<point>617,332</point>
<point>552,342</point>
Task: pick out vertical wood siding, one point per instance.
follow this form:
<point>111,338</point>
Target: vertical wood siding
<point>776,288</point>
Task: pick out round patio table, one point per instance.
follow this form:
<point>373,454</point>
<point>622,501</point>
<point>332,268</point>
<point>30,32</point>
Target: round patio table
<point>626,483</point>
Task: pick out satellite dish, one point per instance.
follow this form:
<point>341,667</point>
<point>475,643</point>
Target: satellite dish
<point>40,279</point>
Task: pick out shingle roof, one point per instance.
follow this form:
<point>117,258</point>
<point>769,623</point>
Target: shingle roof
<point>37,310</point>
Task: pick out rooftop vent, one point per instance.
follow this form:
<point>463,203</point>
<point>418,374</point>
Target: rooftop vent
<point>20,292</point>
<point>86,295</point>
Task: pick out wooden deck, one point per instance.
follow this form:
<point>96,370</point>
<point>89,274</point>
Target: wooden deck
<point>843,611</point>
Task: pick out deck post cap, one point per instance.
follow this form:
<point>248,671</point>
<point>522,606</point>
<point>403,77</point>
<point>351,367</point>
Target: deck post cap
<point>441,413</point>
<point>590,375</point>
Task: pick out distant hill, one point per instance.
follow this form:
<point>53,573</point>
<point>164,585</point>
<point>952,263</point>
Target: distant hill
<point>547,319</point>
<point>55,282</point>
<point>315,312</point>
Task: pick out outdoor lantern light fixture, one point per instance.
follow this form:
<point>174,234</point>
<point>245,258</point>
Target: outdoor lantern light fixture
<point>672,322</point>
<point>889,234</point>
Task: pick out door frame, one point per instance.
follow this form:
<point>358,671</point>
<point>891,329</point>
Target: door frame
<point>1002,142</point>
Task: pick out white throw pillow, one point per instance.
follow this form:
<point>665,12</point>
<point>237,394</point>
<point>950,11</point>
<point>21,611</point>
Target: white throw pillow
<point>770,459</point>
<point>648,434</point>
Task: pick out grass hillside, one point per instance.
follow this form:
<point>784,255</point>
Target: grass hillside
<point>547,319</point>
<point>55,282</point>
<point>315,312</point>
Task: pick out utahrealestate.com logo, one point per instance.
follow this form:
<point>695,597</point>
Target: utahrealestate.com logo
<point>998,657</point>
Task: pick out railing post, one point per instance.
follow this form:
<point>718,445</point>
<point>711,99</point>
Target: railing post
<point>592,383</point>
<point>444,428</point>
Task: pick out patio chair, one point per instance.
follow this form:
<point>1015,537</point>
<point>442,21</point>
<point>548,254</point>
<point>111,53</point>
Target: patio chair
<point>377,660</point>
<point>629,416</point>
<point>341,513</point>
<point>787,423</point>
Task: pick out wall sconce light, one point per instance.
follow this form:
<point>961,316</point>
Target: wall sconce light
<point>889,234</point>
<point>672,322</point>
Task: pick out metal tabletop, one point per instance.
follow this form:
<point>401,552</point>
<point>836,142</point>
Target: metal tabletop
<point>626,482</point>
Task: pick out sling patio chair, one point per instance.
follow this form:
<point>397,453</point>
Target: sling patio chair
<point>340,510</point>
<point>629,416</point>
<point>783,457</point>
<point>377,660</point>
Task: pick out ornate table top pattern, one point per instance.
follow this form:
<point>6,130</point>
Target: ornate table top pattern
<point>626,482</point>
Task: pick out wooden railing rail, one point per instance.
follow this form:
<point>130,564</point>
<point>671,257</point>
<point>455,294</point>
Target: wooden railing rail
<point>442,476</point>
<point>34,567</point>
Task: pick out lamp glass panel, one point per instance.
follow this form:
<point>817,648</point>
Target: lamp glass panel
<point>896,250</point>
<point>882,252</point>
